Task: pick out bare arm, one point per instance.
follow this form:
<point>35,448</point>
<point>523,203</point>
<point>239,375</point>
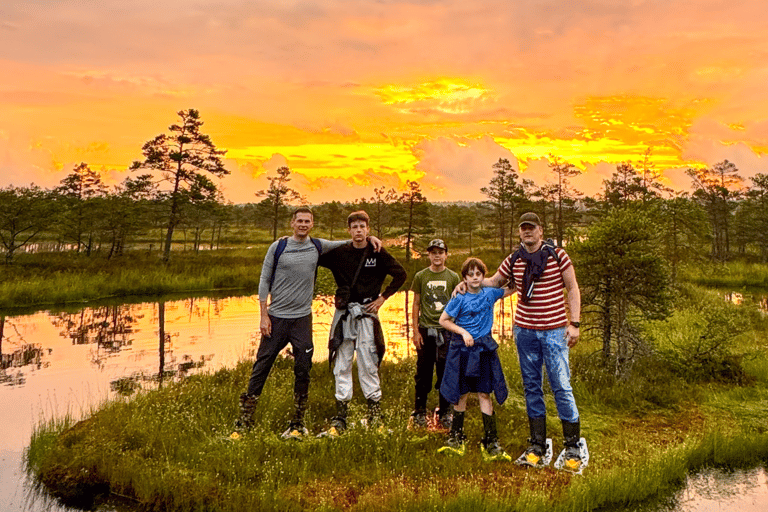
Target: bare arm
<point>266,323</point>
<point>376,243</point>
<point>415,310</point>
<point>332,244</point>
<point>448,324</point>
<point>495,281</point>
<point>574,305</point>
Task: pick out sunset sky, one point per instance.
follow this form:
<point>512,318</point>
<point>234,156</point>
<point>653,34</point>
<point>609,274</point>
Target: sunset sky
<point>353,95</point>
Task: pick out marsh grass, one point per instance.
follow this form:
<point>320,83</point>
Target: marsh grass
<point>169,449</point>
<point>733,275</point>
<point>60,278</point>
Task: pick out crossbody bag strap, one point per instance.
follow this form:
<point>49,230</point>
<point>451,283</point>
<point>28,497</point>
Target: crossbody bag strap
<point>359,268</point>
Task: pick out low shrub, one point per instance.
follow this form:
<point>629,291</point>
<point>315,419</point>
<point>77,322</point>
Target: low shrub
<point>700,341</point>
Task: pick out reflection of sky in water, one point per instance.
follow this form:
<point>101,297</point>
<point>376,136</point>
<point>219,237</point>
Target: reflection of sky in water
<point>714,490</point>
<point>56,363</point>
<point>717,490</point>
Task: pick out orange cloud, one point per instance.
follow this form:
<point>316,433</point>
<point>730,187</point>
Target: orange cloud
<point>349,92</point>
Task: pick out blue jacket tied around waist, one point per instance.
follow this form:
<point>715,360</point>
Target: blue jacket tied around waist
<point>482,352</point>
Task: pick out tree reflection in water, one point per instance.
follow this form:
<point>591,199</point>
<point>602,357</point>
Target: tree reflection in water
<point>16,354</point>
<point>168,366</point>
<point>108,331</point>
<point>140,345</point>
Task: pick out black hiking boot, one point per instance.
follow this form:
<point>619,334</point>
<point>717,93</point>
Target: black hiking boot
<point>375,418</point>
<point>418,419</point>
<point>247,408</point>
<point>338,422</point>
<point>571,436</point>
<point>537,443</point>
<point>456,442</point>
<point>490,448</point>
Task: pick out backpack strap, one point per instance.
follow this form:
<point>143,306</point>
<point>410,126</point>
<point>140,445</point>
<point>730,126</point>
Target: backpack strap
<point>552,248</point>
<point>319,246</point>
<point>281,244</point>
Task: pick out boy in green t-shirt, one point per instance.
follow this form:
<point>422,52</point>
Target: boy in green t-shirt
<point>432,289</point>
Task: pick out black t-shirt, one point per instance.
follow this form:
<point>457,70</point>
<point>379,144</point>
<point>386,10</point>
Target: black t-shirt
<point>343,262</point>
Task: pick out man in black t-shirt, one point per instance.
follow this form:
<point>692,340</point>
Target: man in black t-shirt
<point>359,273</point>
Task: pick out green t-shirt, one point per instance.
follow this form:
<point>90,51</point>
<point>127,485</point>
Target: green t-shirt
<point>435,290</point>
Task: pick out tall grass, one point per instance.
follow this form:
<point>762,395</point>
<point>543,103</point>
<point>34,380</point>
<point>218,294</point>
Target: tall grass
<point>733,275</point>
<point>65,277</point>
<point>59,278</point>
<point>169,449</point>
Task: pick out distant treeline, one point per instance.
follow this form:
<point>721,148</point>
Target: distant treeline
<point>176,201</point>
<point>718,220</point>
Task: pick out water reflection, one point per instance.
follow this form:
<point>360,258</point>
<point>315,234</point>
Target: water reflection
<point>179,336</point>
<point>761,302</point>
<point>714,490</point>
<point>66,362</point>
<point>17,355</point>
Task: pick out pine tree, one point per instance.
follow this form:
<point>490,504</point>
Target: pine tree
<point>278,196</point>
<point>183,158</point>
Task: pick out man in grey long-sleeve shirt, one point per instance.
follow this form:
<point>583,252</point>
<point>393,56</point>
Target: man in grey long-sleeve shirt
<point>287,318</point>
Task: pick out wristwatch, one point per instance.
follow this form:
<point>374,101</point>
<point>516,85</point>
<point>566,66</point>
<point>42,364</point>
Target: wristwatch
<point>576,324</point>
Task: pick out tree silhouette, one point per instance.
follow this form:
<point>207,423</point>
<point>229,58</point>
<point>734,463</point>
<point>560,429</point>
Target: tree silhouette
<point>278,195</point>
<point>381,210</point>
<point>181,158</point>
<point>414,215</point>
<point>80,215</point>
<point>565,195</point>
<point>715,192</point>
<point>24,213</point>
<point>504,192</point>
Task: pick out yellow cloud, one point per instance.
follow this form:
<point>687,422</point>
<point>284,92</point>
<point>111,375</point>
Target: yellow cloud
<point>583,150</point>
<point>316,161</point>
<point>448,95</point>
<point>634,118</point>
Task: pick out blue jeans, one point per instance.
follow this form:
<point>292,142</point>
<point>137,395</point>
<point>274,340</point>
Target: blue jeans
<point>548,348</point>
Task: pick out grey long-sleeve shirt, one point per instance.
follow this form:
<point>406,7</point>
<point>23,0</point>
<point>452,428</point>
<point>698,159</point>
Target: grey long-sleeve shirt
<point>294,284</point>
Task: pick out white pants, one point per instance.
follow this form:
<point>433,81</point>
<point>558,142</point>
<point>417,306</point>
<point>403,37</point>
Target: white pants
<point>367,361</point>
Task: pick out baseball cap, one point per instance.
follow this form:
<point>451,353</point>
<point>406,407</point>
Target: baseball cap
<point>437,242</point>
<point>529,218</point>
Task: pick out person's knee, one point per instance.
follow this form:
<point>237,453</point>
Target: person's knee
<point>343,364</point>
<point>303,363</point>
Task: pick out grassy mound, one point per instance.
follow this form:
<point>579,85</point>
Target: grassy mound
<point>169,449</point>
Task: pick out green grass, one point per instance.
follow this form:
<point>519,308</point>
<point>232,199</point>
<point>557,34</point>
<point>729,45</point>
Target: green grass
<point>733,275</point>
<point>169,448</point>
<point>60,278</point>
<point>36,280</point>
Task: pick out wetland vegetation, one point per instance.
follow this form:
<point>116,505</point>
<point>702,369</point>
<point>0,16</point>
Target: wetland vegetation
<point>169,449</point>
<point>669,376</point>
